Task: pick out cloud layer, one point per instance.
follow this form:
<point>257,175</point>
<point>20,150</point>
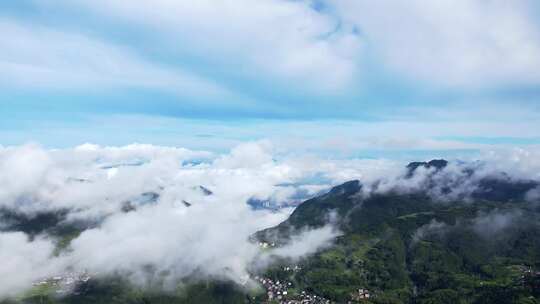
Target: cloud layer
<point>185,232</point>
<point>181,231</point>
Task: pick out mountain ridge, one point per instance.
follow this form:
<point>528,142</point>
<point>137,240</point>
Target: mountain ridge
<point>391,242</point>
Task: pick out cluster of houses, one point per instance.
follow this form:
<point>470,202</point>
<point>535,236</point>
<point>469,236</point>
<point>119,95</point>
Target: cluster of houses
<point>64,283</point>
<point>275,290</point>
<point>361,295</point>
<point>530,278</point>
<point>296,268</point>
<point>306,298</point>
<point>278,291</point>
<point>529,272</point>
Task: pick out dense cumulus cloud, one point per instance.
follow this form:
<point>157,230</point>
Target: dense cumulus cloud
<point>23,261</point>
<point>183,213</point>
<point>187,212</point>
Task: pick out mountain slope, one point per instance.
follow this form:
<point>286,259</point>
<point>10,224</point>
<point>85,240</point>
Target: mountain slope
<point>414,248</point>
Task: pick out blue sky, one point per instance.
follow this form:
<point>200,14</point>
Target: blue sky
<point>346,77</point>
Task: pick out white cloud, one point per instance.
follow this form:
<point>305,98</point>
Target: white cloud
<point>248,155</point>
<point>463,44</point>
<point>493,223</point>
<point>24,261</point>
<point>533,195</point>
<point>24,170</point>
<point>206,238</point>
<point>452,43</point>
<point>34,56</point>
<point>287,40</point>
<point>303,244</point>
<point>515,161</point>
<point>35,178</point>
<point>210,237</point>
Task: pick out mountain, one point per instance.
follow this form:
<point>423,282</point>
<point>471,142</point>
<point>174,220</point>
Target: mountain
<point>413,247</point>
<point>438,164</point>
<point>205,190</point>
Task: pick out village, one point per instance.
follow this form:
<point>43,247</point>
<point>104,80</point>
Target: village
<point>65,282</point>
<point>278,292</point>
<point>530,278</point>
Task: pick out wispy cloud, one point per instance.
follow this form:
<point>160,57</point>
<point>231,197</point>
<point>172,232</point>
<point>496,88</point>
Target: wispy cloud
<point>461,44</point>
<point>39,57</point>
<point>348,75</point>
<point>281,41</point>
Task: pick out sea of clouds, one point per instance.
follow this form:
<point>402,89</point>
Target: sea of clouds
<point>209,238</point>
